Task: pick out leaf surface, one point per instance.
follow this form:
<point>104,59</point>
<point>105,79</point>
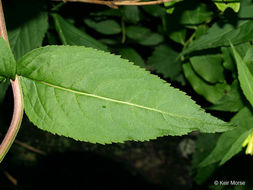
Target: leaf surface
<point>245,76</point>
<point>212,93</point>
<point>230,142</point>
<point>29,35</point>
<point>132,55</point>
<point>232,101</point>
<point>165,61</point>
<point>233,4</point>
<point>208,67</point>
<point>107,27</point>
<point>70,35</point>
<point>94,96</point>
<point>144,36</point>
<point>7,61</point>
<point>238,28</point>
<point>131,14</point>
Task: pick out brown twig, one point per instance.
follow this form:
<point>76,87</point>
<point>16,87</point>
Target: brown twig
<point>29,147</point>
<point>116,3</point>
<point>11,178</point>
<point>18,101</point>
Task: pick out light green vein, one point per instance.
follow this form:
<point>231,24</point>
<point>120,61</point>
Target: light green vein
<point>123,102</point>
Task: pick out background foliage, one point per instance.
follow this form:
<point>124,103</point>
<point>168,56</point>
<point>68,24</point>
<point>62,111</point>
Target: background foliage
<point>185,43</point>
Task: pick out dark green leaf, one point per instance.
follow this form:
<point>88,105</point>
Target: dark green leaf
<point>131,14</point>
<point>208,67</point>
<point>230,143</point>
<point>212,93</point>
<point>7,61</point>
<point>132,56</point>
<point>178,36</point>
<point>70,35</point>
<point>154,10</point>
<point>227,55</point>
<point>236,28</point>
<point>232,101</point>
<point>166,61</point>
<point>245,76</point>
<point>29,35</point>
<point>191,12</point>
<point>107,27</point>
<point>143,35</point>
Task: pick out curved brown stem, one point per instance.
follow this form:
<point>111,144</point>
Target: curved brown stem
<point>18,100</point>
<point>116,3</point>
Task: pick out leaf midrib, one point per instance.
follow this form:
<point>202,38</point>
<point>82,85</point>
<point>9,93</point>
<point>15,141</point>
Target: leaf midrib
<point>119,101</point>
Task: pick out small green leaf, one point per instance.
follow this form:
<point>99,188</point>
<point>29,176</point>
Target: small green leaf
<point>107,27</point>
<point>212,93</point>
<point>245,76</point>
<point>248,59</point>
<point>230,143</point>
<point>191,12</point>
<point>131,14</point>
<point>208,67</point>
<point>236,28</point>
<point>143,35</point>
<point>70,35</point>
<point>133,56</point>
<point>27,24</point>
<point>154,10</point>
<point>227,55</point>
<point>233,4</point>
<point>166,61</point>
<point>232,101</point>
<point>29,35</point>
<point>7,61</point>
<point>170,6</point>
<point>93,96</point>
<point>178,36</point>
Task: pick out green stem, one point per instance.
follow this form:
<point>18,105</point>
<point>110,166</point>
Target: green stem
<point>123,28</point>
<point>18,100</point>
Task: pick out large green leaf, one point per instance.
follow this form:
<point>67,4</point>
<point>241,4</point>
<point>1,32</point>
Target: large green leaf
<point>7,61</point>
<point>70,35</point>
<point>230,143</point>
<point>28,35</point>
<point>93,96</point>
<point>245,76</point>
<point>165,61</point>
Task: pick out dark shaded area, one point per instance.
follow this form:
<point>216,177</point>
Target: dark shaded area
<point>159,164</point>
